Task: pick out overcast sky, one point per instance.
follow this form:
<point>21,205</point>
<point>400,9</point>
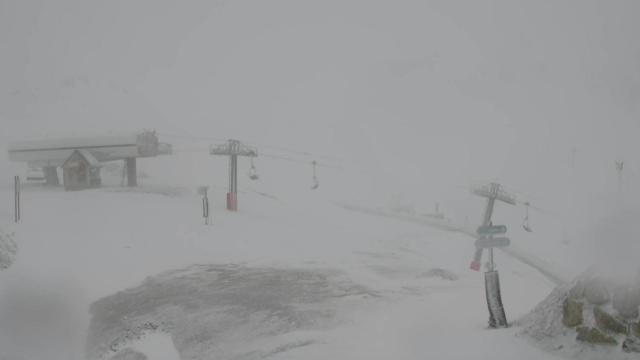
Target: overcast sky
<point>416,95</point>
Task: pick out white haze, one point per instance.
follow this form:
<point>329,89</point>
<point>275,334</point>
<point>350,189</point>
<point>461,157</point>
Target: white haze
<point>414,100</point>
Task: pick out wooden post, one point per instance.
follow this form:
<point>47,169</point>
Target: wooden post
<point>16,187</point>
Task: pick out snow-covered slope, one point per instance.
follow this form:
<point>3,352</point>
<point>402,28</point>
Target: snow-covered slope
<point>410,100</point>
<point>79,247</point>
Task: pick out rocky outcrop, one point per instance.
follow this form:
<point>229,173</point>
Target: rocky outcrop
<point>572,313</point>
<point>593,310</point>
<point>594,336</point>
<point>607,322</point>
<point>631,345</point>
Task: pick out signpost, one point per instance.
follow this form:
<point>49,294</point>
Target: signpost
<point>493,192</point>
<point>491,230</point>
<point>491,242</point>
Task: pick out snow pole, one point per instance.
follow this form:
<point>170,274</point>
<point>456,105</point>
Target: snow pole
<point>203,190</point>
<point>205,209</point>
<point>16,190</point>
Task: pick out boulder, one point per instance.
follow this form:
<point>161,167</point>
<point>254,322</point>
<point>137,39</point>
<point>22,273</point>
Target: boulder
<point>631,345</point>
<point>594,336</point>
<point>635,329</point>
<point>608,323</point>
<point>596,292</point>
<point>572,313</point>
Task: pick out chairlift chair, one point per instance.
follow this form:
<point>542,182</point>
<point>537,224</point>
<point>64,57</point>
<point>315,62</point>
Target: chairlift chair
<point>253,173</point>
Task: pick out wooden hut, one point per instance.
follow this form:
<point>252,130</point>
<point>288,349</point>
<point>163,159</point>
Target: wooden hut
<point>81,171</point>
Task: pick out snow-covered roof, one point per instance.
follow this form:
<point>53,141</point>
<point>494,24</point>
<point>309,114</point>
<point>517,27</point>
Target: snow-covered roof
<point>93,162</point>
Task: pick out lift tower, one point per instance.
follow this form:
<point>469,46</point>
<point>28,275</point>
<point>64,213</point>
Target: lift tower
<point>233,149</point>
<point>486,239</point>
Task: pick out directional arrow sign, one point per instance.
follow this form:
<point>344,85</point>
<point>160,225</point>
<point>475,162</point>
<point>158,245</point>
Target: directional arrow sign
<point>485,242</point>
<point>491,230</point>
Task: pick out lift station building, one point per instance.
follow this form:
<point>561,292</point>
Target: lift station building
<point>81,157</point>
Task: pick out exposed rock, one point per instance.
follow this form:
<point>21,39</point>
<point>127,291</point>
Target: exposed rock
<point>572,313</point>
<point>631,345</point>
<point>129,354</point>
<point>607,322</point>
<point>594,336</point>
<point>596,292</point>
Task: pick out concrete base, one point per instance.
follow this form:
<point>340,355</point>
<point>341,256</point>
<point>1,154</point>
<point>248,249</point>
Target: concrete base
<point>232,201</point>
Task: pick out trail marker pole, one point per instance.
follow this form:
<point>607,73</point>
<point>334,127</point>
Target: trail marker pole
<point>205,204</point>
<point>493,192</point>
<point>16,190</point>
<point>205,209</point>
<point>233,149</point>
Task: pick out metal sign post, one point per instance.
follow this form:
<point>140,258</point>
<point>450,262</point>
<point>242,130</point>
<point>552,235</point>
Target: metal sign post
<point>205,204</point>
<point>493,192</point>
<point>16,190</point>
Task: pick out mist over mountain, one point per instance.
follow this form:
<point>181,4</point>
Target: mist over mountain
<point>415,99</point>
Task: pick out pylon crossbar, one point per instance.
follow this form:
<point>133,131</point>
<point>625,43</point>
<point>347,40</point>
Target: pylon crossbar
<point>233,147</point>
<point>494,191</point>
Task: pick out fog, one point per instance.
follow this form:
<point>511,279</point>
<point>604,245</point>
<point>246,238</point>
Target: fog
<point>404,101</point>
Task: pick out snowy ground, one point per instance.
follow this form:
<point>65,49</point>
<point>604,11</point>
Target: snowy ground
<point>79,247</point>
